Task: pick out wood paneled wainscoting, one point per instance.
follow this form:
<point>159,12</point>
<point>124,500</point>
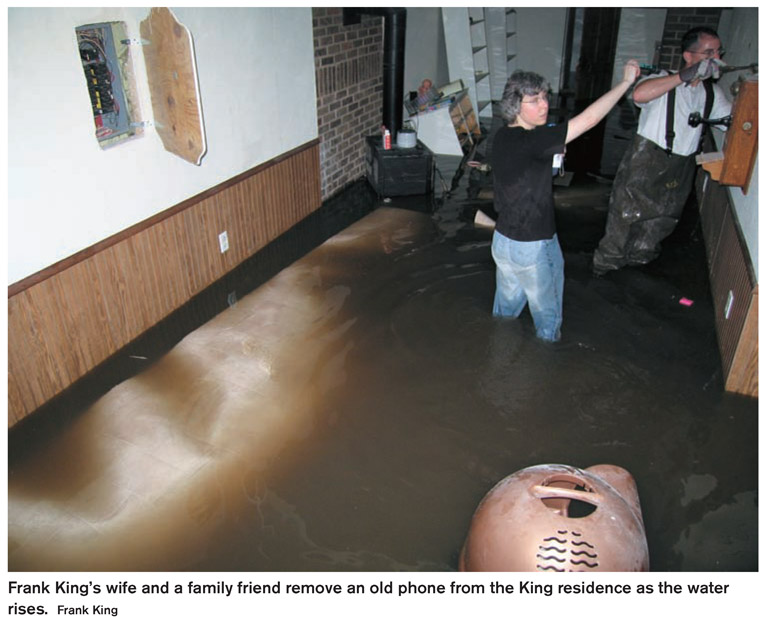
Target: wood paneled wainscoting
<point>733,285</point>
<point>65,320</point>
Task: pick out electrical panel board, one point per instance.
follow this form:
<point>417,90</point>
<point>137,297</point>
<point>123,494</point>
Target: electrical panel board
<point>105,61</point>
<point>167,49</point>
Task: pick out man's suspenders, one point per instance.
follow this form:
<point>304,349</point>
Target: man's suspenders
<point>670,125</point>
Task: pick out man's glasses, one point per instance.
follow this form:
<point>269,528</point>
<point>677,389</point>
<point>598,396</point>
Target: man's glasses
<point>710,52</point>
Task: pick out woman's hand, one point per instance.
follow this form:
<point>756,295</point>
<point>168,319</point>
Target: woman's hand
<point>631,71</point>
<point>597,110</point>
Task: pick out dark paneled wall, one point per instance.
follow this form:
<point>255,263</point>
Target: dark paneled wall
<point>734,289</point>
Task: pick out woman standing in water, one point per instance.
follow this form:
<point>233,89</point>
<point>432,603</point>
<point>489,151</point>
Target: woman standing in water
<point>525,244</point>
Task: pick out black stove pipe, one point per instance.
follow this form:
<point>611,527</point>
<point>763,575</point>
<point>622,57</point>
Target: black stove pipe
<point>393,61</point>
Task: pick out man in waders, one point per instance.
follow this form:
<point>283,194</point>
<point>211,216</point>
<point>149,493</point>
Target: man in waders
<point>655,176</point>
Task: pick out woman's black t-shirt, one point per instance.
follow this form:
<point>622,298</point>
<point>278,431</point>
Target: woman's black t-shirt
<point>521,161</point>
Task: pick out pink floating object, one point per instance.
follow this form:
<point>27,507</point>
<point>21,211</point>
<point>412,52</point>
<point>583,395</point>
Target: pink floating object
<point>686,302</point>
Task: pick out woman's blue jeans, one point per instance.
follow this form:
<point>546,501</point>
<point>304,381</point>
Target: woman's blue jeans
<point>530,272</point>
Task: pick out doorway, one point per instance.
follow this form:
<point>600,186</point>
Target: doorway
<point>589,50</point>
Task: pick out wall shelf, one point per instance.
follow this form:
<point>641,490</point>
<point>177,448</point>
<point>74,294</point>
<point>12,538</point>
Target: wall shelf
<point>449,129</point>
<point>501,31</point>
<point>467,53</point>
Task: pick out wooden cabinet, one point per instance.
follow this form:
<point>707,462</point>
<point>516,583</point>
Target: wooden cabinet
<point>734,165</point>
<point>741,142</point>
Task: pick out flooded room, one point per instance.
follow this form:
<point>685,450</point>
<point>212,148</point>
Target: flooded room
<point>357,290</point>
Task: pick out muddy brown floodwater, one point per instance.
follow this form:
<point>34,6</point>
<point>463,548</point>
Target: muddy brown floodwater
<point>351,411</point>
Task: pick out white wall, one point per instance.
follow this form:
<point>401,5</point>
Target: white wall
<point>739,32</point>
<point>256,77</point>
<point>541,32</point>
<point>258,93</point>
<point>640,30</point>
<point>425,49</point>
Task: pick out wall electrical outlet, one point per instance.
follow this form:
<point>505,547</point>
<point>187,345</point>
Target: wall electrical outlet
<point>223,241</point>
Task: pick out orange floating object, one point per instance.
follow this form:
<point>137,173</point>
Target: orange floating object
<point>558,518</point>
